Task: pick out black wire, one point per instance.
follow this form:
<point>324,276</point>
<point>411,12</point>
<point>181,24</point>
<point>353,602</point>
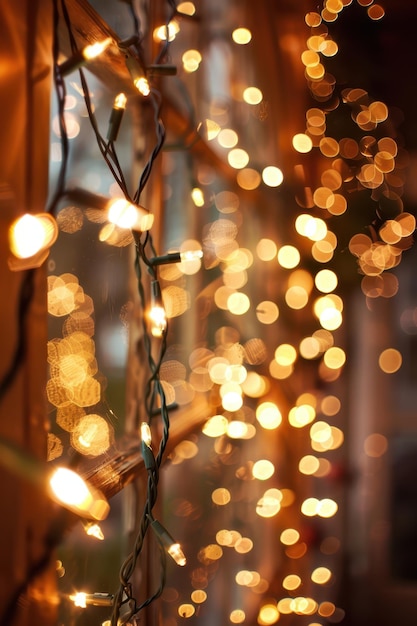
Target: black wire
<point>105,149</point>
<point>60,91</point>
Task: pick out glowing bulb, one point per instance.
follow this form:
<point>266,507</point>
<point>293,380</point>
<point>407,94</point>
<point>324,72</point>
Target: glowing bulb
<point>31,234</point>
<point>159,321</point>
<point>94,530</point>
<point>191,255</point>
<point>70,490</point>
<point>157,313</point>
<point>94,50</point>
<point>79,599</point>
<point>120,101</point>
<point>145,434</point>
<point>197,196</point>
<point>142,85</point>
<point>82,57</point>
<point>127,215</point>
<point>172,547</point>
<point>177,554</point>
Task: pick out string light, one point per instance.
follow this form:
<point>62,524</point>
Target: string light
<point>30,238</point>
<point>138,74</point>
<point>172,547</point>
<point>93,530</point>
<point>82,57</point>
<point>70,490</point>
<point>157,313</point>
<point>82,599</point>
<point>116,116</point>
<point>120,211</point>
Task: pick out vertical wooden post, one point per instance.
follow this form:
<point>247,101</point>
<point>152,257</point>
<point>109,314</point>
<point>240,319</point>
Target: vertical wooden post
<point>27,594</point>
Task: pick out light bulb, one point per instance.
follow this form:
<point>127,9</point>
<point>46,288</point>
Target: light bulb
<point>142,85</point>
<point>31,234</point>
<point>82,599</point>
<point>70,490</point>
<point>191,255</point>
<point>127,215</point>
<point>177,554</point>
<point>172,547</point>
<point>145,433</point>
<point>157,313</point>
<point>82,57</point>
<point>115,120</point>
<point>94,50</point>
<point>94,530</point>
<point>159,321</point>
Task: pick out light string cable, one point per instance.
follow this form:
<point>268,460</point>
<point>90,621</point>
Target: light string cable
<point>124,597</point>
<point>27,285</point>
<point>107,149</point>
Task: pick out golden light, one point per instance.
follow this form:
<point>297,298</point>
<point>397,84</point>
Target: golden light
<point>80,599</point>
<point>284,606</point>
<point>238,158</point>
<point>186,610</point>
<point>390,360</point>
<point>255,386</point>
<point>330,405</point>
<point>334,358</point>
<point>309,348</point>
<point>227,138</point>
<point>266,249</point>
<point>268,614</point>
<point>263,469</point>
<point>309,507</point>
<point>94,50</point>
<point>289,536</point>
<point>267,312</point>
<point>238,303</point>
<point>237,616</point>
<point>221,496</point>
<point>302,143</point>
<point>321,575</point>
<point>327,508</point>
<point>300,416</point>
<point>198,596</point>
<point>320,431</point>
<point>70,490</point>
<point>268,415</point>
<point>326,609</point>
<point>241,35</point>
<point>285,354</point>
<point>191,60</point>
<point>252,95</point>
<point>308,465</point>
<point>326,280</point>
<point>248,178</point>
<point>215,426</point>
<point>296,297</point>
<point>237,429</point>
<point>186,8</point>
<point>31,234</point>
<point>231,398</point>
<point>209,128</point>
<point>288,256</point>
<point>127,215</point>
<point>244,545</point>
<point>224,537</point>
<point>94,530</point>
<point>272,176</point>
<point>197,196</point>
<point>291,582</point>
<point>268,506</point>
